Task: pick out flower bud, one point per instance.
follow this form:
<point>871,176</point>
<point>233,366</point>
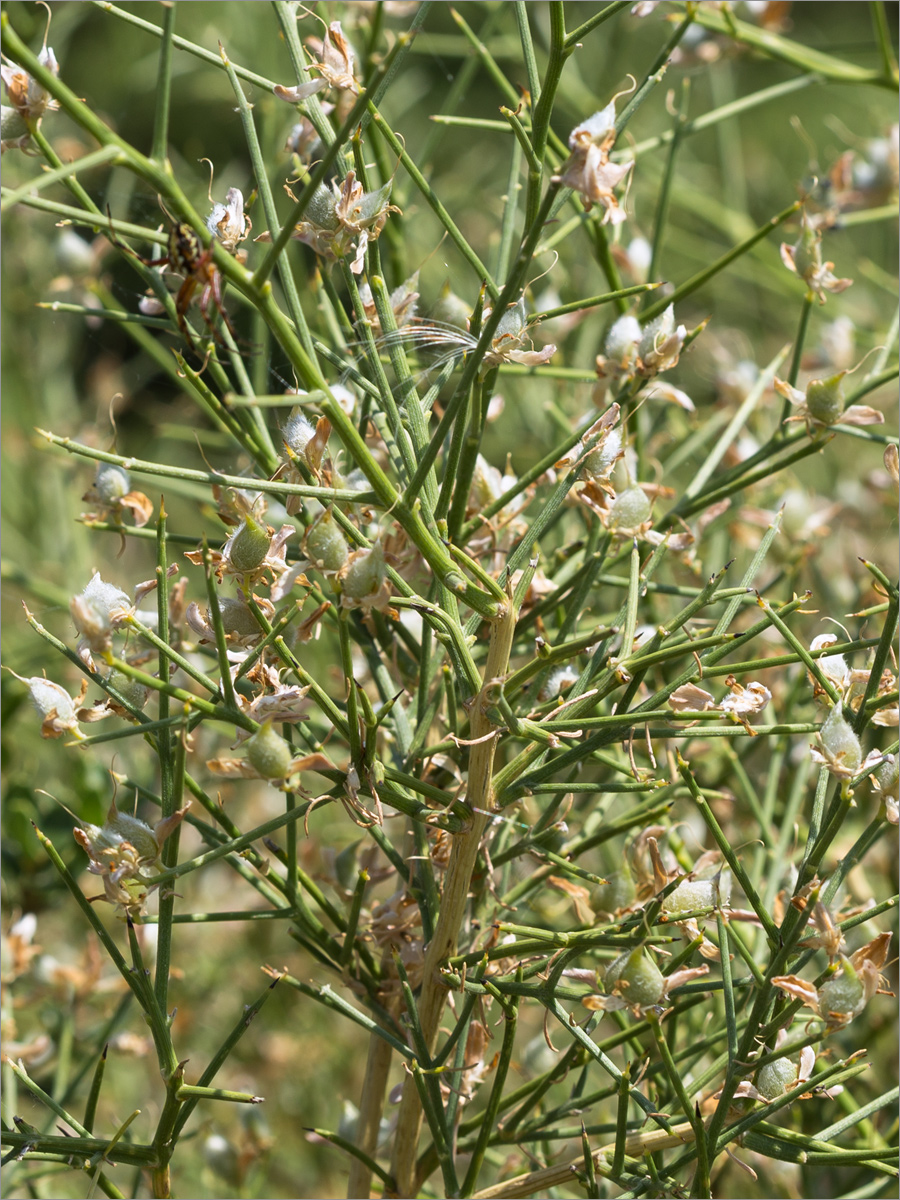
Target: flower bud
<point>654,333</point>
<point>326,545</point>
<point>776,1078</point>
<point>636,978</point>
<point>825,399</point>
<point>268,753</point>
<point>630,511</point>
<point>250,545</point>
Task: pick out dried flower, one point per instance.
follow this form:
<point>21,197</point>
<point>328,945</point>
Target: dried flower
<point>111,492</point>
<point>822,404</point>
<point>99,610</point>
<point>848,990</point>
<point>342,218</point>
<point>227,222</point>
<point>28,99</point>
<point>804,258</point>
<point>124,852</point>
<point>588,169</point>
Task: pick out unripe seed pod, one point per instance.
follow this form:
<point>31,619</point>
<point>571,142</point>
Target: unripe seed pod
<point>236,617</point>
<point>598,463</point>
<point>119,828</point>
<point>111,482</point>
<point>839,740</point>
<point>364,574</point>
<point>776,1078</point>
<point>269,753</point>
<point>691,895</point>
<point>129,689</point>
<point>639,979</point>
<point>825,399</point>
<point>320,211</point>
<point>630,511</point>
<point>326,545</point>
<point>250,545</point>
<point>842,993</point>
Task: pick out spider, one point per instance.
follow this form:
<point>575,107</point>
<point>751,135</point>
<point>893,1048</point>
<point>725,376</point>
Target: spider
<point>187,257</point>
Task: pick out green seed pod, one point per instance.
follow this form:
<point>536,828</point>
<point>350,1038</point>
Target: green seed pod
<point>630,511</point>
<point>825,399</point>
<point>839,741</point>
<point>600,461</point>
<point>129,689</point>
<point>364,573</point>
<point>119,828</point>
<point>842,993</point>
<point>236,617</point>
<point>250,545</point>
<point>776,1078</point>
<point>636,978</point>
<point>268,753</point>
<point>325,544</point>
<point>321,208</point>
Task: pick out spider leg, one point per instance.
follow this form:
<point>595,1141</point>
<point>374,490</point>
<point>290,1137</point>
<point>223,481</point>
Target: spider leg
<point>182,303</point>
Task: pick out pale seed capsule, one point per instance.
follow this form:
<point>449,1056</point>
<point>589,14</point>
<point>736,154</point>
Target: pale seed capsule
<point>268,753</point>
<point>111,483</point>
<point>825,399</point>
<point>250,546</point>
<point>364,574</point>
<point>839,740</point>
<point>842,993</point>
<point>639,979</point>
<point>776,1078</point>
<point>326,545</point>
<point>630,510</point>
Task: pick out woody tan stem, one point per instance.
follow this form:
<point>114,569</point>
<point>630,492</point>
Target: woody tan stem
<point>455,896</point>
<point>371,1107</point>
<point>538,1182</point>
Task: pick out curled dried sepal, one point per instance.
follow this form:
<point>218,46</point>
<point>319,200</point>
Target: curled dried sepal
<point>124,852</point>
